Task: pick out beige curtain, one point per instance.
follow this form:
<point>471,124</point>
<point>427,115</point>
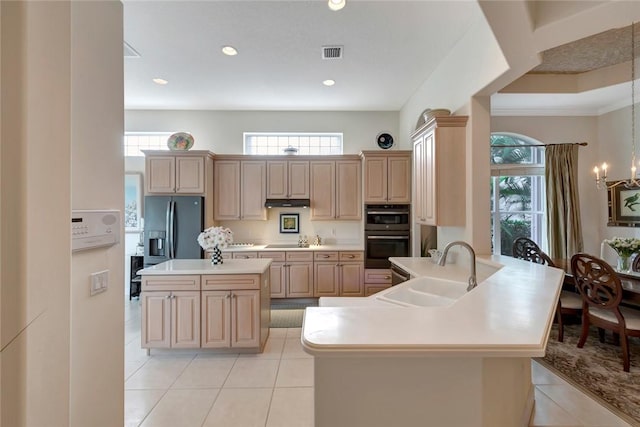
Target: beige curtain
<point>564,231</point>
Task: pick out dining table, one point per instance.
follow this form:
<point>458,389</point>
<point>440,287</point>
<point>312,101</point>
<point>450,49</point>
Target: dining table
<point>630,281</point>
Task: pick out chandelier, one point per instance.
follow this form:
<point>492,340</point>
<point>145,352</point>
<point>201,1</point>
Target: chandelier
<point>601,172</point>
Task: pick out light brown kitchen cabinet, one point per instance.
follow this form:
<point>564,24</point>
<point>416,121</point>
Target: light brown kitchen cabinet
<point>239,190</point>
<point>287,179</point>
<point>339,274</point>
<point>233,309</point>
<point>439,172</point>
<point>387,177</point>
<point>231,319</point>
<point>291,274</point>
<point>171,319</point>
<point>336,190</point>
<point>169,173</point>
<point>376,280</point>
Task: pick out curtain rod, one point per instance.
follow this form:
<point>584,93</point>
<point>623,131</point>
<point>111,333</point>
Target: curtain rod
<point>582,144</point>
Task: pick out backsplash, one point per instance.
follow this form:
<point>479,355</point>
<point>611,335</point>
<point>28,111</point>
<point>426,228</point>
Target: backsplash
<point>264,232</point>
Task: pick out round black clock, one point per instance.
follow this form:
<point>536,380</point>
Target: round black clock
<point>385,141</point>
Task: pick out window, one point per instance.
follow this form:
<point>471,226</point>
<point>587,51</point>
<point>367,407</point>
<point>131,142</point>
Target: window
<point>517,191</point>
<point>305,143</point>
<point>136,141</point>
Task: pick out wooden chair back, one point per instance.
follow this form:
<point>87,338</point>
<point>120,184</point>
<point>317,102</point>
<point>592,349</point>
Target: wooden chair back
<point>597,282</point>
<point>526,249</point>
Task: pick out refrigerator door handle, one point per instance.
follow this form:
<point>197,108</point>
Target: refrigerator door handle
<point>172,230</point>
<point>167,227</point>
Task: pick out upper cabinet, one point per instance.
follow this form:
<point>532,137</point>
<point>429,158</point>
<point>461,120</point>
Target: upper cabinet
<point>176,173</point>
<point>287,179</point>
<point>239,190</point>
<point>336,190</point>
<point>387,177</point>
<point>439,171</point>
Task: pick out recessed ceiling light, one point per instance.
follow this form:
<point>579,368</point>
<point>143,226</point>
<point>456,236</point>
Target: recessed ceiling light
<point>160,81</point>
<point>229,50</point>
<point>329,82</point>
<point>337,4</point>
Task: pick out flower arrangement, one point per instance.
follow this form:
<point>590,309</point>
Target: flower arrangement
<point>215,237</point>
<point>624,246</point>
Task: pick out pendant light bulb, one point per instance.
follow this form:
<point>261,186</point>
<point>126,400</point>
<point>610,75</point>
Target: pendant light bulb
<point>337,4</point>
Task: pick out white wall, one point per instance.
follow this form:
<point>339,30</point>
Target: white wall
<point>62,353</point>
<point>559,130</point>
<point>97,119</point>
<point>221,131</point>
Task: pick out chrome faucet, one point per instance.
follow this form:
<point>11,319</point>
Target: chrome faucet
<point>472,278</point>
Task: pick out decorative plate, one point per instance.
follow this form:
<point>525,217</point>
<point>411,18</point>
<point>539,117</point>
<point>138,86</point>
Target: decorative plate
<point>385,141</point>
<point>180,141</point>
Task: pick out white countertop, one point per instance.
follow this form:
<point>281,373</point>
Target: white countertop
<point>336,247</point>
<point>203,266</point>
<point>509,314</point>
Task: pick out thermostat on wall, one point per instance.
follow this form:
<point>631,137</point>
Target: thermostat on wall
<point>94,228</point>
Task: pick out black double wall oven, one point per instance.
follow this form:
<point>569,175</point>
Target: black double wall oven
<point>387,232</point>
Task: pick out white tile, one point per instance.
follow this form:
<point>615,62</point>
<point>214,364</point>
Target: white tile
<point>254,373</point>
<point>184,408</point>
<point>293,349</point>
<point>206,371</point>
<point>138,404</point>
<point>294,333</point>
<point>548,413</point>
<point>272,350</point>
<point>158,373</point>
<point>278,333</point>
<point>246,407</point>
<point>291,407</point>
<point>581,406</point>
<point>542,375</point>
<point>295,373</point>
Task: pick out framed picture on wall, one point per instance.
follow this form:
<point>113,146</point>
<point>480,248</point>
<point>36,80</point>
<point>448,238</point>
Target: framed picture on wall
<point>624,206</point>
<point>289,223</point>
<point>132,201</point>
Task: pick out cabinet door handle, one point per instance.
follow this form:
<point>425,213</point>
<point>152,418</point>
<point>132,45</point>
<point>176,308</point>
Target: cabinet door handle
<point>387,277</point>
<point>352,256</point>
<point>228,295</point>
<point>325,256</point>
<point>233,295</point>
<point>168,296</point>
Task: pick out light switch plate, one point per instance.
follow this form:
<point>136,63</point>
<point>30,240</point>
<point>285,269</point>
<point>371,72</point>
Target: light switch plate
<point>99,282</point>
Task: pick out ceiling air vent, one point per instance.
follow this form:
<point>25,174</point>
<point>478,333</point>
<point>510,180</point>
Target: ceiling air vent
<point>130,52</point>
<point>332,52</point>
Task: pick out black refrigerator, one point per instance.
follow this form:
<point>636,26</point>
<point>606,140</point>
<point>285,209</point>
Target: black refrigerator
<point>171,228</point>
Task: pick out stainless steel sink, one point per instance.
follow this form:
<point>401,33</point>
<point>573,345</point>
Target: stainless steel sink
<point>283,246</point>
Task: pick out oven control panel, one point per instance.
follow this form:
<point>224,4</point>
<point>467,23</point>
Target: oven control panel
<point>94,228</point>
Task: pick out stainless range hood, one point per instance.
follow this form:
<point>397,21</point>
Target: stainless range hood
<point>287,203</point>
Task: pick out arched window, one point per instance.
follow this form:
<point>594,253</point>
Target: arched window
<point>517,191</point>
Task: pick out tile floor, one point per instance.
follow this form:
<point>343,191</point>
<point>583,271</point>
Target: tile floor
<point>275,388</point>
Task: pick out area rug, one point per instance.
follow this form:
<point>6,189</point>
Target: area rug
<point>597,369</point>
<point>287,318</point>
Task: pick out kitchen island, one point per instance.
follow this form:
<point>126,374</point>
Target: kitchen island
<point>189,303</point>
<point>463,361</point>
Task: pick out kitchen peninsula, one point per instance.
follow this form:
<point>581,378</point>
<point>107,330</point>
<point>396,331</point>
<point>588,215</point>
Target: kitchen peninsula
<point>461,363</point>
<point>189,303</point>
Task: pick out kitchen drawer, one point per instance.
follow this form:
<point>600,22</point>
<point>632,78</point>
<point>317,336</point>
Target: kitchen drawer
<point>352,256</point>
<point>300,256</point>
<point>225,255</point>
<point>275,256</point>
<point>370,289</point>
<point>170,283</point>
<point>325,256</point>
<point>377,275</point>
<point>245,255</point>
<point>224,282</point>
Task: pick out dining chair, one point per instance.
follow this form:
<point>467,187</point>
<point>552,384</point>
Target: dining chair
<point>601,292</point>
<point>635,265</point>
<point>569,303</point>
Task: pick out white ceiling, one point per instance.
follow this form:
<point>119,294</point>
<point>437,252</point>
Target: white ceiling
<point>390,48</point>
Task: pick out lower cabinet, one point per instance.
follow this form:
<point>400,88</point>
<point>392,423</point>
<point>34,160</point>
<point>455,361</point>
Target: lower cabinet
<point>338,278</point>
<point>230,319</point>
<point>171,319</point>
<point>376,280</point>
<point>214,311</point>
<point>291,273</point>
